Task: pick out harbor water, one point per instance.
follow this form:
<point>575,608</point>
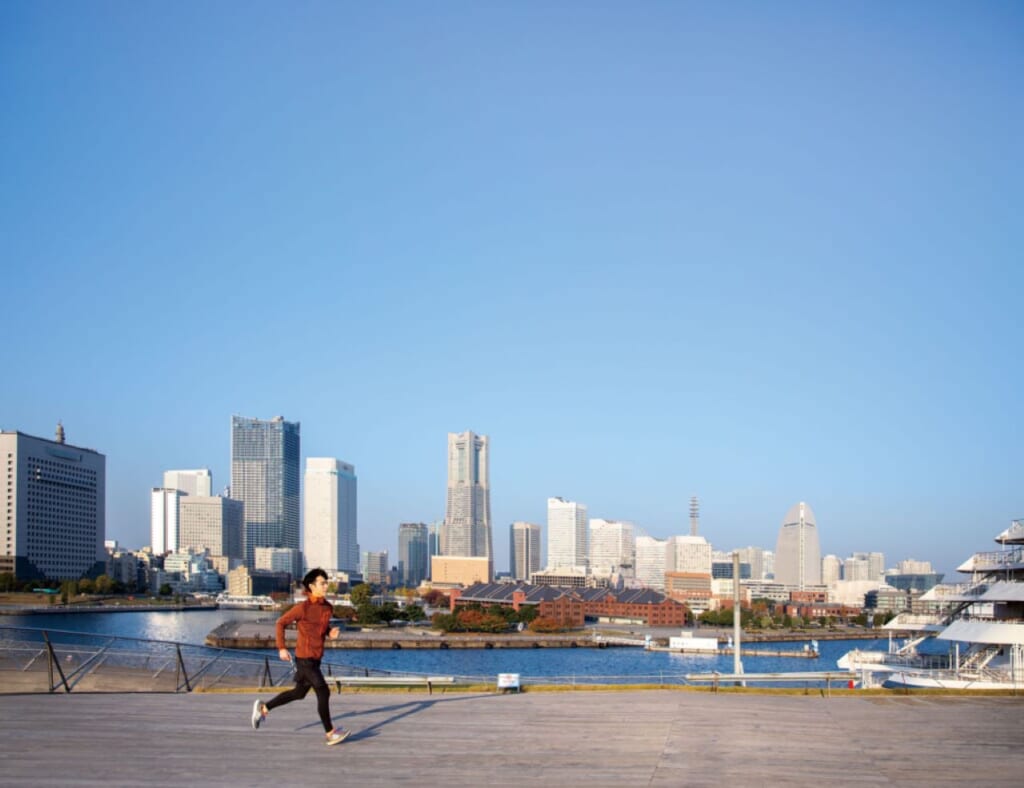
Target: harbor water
<point>615,665</point>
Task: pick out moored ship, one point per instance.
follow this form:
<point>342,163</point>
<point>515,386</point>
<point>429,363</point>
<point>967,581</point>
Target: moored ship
<point>978,643</point>
<point>229,602</point>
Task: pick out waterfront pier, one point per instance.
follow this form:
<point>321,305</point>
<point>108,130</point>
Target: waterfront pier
<point>596,738</point>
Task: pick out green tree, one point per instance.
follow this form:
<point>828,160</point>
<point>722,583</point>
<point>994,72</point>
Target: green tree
<point>389,611</point>
<point>545,625</point>
<point>476,620</point>
<point>86,586</point>
<point>435,598</point>
<point>414,613</point>
<point>7,581</point>
<point>345,612</point>
<point>361,594</point>
<point>446,622</point>
<point>68,590</point>
<point>164,590</point>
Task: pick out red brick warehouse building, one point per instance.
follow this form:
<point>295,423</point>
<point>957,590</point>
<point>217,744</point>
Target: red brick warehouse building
<point>570,607</point>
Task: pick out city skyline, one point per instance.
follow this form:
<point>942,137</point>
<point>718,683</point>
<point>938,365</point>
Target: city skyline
<point>678,547</point>
<point>751,254</point>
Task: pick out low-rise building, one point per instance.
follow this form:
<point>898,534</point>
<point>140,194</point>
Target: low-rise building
<point>572,606</point>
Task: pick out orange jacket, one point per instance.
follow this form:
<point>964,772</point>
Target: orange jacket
<point>312,618</point>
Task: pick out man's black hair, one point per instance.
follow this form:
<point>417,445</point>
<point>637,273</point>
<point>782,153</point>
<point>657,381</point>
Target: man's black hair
<point>311,577</point>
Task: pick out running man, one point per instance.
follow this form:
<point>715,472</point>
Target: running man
<point>312,618</point>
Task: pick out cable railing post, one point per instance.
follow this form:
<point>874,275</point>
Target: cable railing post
<point>179,669</point>
<point>51,663</point>
<point>266,680</point>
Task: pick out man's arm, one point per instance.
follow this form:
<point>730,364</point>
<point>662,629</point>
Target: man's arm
<point>289,617</point>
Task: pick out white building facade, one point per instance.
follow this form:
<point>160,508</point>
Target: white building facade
<point>612,548</point>
<point>330,539</point>
<point>651,562</point>
<point>568,545</point>
<point>197,482</point>
<point>691,554</point>
<point>163,519</point>
<point>831,570</point>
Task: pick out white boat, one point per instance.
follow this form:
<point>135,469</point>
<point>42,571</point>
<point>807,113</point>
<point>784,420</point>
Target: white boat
<point>977,644</point>
<point>245,602</point>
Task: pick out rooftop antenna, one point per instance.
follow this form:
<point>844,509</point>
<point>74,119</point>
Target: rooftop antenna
<point>60,432</point>
<point>694,515</point>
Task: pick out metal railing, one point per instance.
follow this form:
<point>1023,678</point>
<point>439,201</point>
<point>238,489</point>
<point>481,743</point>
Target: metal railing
<point>54,660</point>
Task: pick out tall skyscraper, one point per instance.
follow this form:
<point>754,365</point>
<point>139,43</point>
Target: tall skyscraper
<point>374,567</point>
<point>524,550</point>
<point>413,555</point>
<point>467,522</point>
<point>798,552</point>
<point>52,509</point>
<point>210,523</point>
<point>612,547</point>
<point>265,478</point>
<point>330,530</point>
<point>568,545</point>
<point>198,482</point>
<point>163,520</point>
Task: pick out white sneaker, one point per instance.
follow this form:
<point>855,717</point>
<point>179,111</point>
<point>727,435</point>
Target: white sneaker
<point>258,715</point>
<point>337,736</point>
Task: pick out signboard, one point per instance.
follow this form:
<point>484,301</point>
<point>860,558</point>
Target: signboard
<point>507,681</point>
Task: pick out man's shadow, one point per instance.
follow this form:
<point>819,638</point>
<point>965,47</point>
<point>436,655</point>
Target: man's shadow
<point>402,710</point>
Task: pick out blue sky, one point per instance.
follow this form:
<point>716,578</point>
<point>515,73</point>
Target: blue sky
<point>759,253</point>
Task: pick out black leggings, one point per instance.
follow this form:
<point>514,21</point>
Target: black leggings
<point>307,675</point>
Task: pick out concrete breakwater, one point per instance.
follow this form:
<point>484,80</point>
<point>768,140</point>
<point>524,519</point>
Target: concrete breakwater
<point>60,610</point>
<point>260,634</point>
<point>250,635</point>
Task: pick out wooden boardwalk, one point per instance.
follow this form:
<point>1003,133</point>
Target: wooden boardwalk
<point>597,738</point>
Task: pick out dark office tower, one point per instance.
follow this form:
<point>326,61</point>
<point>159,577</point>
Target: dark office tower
<point>433,544</point>
<point>53,509</point>
<point>412,553</point>
<point>265,478</point>
<point>524,550</point>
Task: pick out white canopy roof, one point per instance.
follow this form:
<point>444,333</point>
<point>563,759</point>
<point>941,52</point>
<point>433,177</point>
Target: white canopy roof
<point>983,632</point>
<point>1012,535</point>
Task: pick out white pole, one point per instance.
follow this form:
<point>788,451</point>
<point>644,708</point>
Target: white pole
<point>737,665</point>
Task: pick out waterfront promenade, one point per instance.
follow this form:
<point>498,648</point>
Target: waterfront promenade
<point>594,738</point>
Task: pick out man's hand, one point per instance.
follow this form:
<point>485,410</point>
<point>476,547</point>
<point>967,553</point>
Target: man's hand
<point>333,634</point>
<point>285,655</point>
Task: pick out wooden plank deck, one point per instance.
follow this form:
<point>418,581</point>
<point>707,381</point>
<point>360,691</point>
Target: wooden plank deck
<point>597,738</point>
